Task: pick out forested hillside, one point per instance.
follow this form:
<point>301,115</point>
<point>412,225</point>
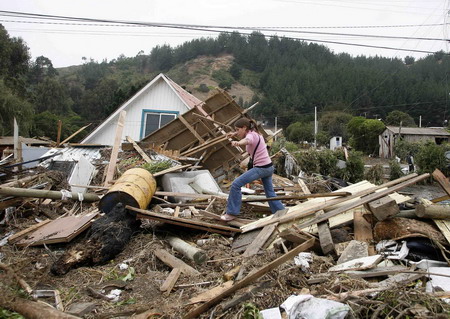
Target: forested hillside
<point>288,77</point>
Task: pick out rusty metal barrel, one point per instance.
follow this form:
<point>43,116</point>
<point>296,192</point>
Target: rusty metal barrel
<point>135,188</point>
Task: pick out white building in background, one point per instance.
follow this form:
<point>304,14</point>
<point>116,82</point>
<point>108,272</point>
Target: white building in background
<point>155,105</point>
<point>335,142</point>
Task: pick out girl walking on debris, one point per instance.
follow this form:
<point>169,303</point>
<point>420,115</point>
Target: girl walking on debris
<point>261,168</point>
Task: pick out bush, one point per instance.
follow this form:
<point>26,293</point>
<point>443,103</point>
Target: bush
<point>319,162</point>
<point>396,170</point>
<point>224,79</point>
<point>403,148</point>
<point>354,172</point>
<point>375,174</point>
<point>431,156</point>
<point>203,88</point>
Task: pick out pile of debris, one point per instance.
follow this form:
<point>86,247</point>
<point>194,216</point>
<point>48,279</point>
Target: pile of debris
<point>139,235</point>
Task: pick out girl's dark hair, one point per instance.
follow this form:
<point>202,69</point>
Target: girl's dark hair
<point>250,124</point>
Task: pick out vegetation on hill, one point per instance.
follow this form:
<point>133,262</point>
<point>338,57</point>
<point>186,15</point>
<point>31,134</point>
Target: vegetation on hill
<point>288,77</point>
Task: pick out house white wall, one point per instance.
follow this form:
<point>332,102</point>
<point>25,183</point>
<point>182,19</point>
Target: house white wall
<point>157,96</point>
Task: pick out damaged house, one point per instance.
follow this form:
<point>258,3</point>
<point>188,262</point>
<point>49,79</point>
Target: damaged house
<point>155,105</point>
<point>392,134</point>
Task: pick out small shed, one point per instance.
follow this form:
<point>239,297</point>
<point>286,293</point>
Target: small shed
<point>391,134</point>
<point>335,142</point>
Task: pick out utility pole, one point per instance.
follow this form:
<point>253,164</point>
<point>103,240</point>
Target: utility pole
<point>420,121</point>
<point>276,126</point>
<point>315,126</point>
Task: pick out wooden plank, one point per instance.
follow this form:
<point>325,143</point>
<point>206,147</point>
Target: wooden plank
<point>74,134</point>
<point>211,293</point>
<point>215,122</point>
<point>363,231</point>
<point>17,236</point>
<point>259,241</point>
<point>183,224</point>
<point>139,150</point>
<point>204,146</point>
<point>178,219</point>
<point>115,150</point>
<point>249,279</point>
<point>177,211</point>
<point>174,262</point>
<point>304,196</point>
<point>442,180</point>
<point>60,230</point>
<point>190,128</point>
<point>171,169</point>
<point>170,281</point>
<point>444,227</point>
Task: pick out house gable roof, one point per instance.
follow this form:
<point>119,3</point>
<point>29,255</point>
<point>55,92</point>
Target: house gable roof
<point>418,130</point>
<point>188,99</point>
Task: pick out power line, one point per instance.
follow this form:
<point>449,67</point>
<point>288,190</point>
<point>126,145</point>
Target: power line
<point>207,29</point>
<point>279,28</point>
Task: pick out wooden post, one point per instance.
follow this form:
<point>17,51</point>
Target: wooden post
<point>17,143</point>
<point>115,149</point>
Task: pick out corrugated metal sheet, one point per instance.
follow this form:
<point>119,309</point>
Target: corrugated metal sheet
<point>73,154</point>
<point>434,131</point>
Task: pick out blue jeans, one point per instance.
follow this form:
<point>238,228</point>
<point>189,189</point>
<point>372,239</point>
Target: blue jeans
<point>235,197</point>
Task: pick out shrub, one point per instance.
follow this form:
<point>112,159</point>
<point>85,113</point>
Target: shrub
<point>203,88</point>
<point>375,174</point>
<point>354,172</point>
<point>396,170</point>
<point>403,148</point>
<point>431,156</point>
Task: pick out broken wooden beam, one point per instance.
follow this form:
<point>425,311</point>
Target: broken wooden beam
<point>174,262</point>
<point>170,281</point>
<point>139,150</point>
<point>184,222</point>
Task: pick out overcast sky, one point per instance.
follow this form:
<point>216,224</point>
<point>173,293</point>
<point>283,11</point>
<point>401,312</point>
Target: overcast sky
<point>67,42</point>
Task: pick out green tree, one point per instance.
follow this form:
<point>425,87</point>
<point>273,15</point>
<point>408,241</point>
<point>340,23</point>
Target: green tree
<point>13,106</point>
<point>235,71</point>
<point>335,123</point>
<point>397,117</point>
<point>300,132</point>
<point>52,95</point>
<point>431,156</point>
<point>364,134</point>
